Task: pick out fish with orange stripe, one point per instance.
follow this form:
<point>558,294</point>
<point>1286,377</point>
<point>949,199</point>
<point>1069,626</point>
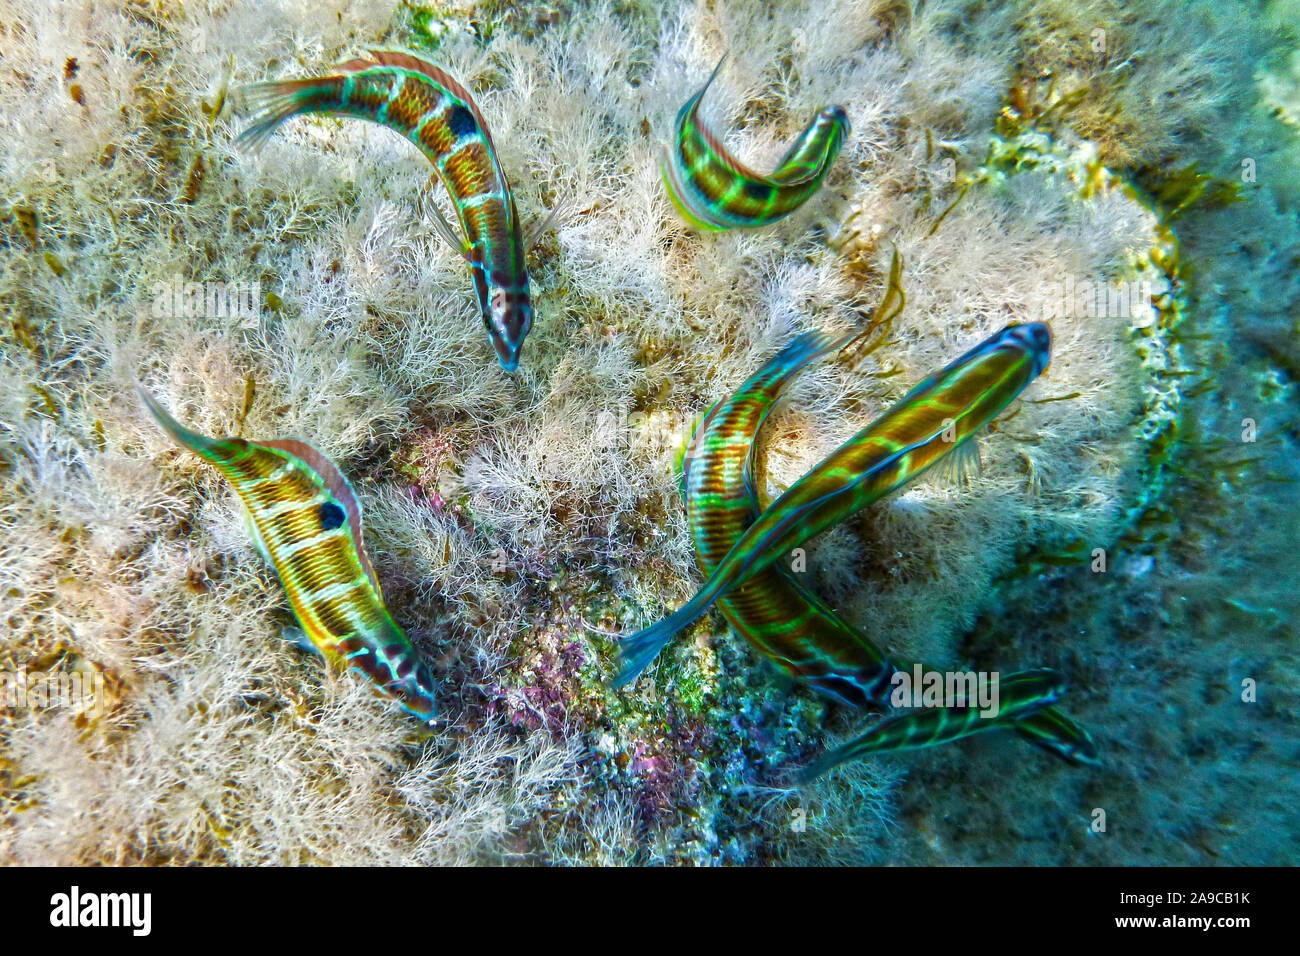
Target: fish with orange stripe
<point>436,113</point>
<point>305,519</point>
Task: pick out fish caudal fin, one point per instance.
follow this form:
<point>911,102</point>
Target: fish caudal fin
<point>268,105</point>
<point>200,444</point>
<point>636,652</point>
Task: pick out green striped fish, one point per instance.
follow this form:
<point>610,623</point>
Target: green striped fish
<point>305,520</point>
<point>775,614</point>
<point>932,420</point>
<point>785,622</point>
<point>438,115</point>
<point>713,190</point>
<point>1019,695</point>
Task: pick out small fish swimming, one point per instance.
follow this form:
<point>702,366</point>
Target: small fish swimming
<point>305,519</point>
<point>1019,695</point>
<point>784,621</point>
<point>931,421</point>
<point>713,190</point>
<point>437,114</point>
<point>773,612</point>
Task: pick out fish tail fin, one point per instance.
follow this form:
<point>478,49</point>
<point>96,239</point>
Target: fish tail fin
<point>636,652</point>
<point>712,76</point>
<point>806,348</point>
<point>858,747</point>
<point>268,105</point>
<point>199,444</point>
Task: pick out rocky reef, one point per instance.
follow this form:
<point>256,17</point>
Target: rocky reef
<point>1126,173</point>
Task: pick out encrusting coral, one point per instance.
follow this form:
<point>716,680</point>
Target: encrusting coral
<point>521,524</point>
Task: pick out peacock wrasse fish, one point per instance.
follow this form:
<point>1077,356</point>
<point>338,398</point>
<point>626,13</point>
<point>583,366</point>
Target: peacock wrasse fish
<point>712,190</point>
<point>929,423</point>
<point>788,623</point>
<point>305,520</point>
<point>436,113</point>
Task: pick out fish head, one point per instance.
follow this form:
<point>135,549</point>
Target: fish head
<point>837,116</point>
<point>832,125</point>
<point>508,317</point>
<point>1035,338</point>
<point>413,686</point>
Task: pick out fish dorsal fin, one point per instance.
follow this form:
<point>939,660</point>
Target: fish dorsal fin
<point>694,103</point>
<point>337,485</point>
<point>356,65</point>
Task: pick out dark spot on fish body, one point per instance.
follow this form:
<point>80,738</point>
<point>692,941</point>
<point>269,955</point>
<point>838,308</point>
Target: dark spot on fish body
<point>760,192</point>
<point>461,121</point>
<point>332,516</point>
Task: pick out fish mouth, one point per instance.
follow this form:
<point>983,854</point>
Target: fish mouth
<point>509,358</point>
<point>508,349</point>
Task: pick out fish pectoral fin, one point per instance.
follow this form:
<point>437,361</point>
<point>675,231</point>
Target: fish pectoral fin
<point>428,209</point>
<point>297,636</point>
<point>536,232</point>
<point>251,527</point>
<point>961,466</point>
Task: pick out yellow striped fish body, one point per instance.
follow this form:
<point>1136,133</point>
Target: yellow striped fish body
<point>781,619</point>
<point>713,190</point>
<point>926,425</point>
<point>785,621</point>
<point>436,113</point>
<point>306,520</point>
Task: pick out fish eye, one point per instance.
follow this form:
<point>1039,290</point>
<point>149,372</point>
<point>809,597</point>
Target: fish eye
<point>331,516</point>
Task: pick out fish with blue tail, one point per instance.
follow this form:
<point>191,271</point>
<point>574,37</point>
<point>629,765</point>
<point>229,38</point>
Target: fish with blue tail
<point>436,113</point>
<point>712,190</point>
<point>305,519</point>
<point>931,422</point>
<point>787,623</point>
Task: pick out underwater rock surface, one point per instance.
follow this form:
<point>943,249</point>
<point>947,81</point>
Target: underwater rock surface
<point>1021,163</point>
